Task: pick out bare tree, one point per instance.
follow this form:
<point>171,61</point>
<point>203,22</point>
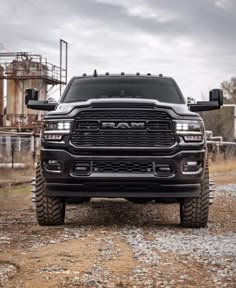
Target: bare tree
<point>229,88</point>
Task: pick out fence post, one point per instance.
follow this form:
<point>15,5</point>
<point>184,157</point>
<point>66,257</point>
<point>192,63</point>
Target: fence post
<point>8,146</point>
<point>32,146</point>
<point>12,155</point>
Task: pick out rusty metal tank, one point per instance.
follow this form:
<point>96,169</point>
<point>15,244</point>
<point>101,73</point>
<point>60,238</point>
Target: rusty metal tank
<point>1,95</point>
<point>21,75</point>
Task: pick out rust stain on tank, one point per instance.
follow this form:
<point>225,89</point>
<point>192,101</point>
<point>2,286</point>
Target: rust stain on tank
<point>17,112</point>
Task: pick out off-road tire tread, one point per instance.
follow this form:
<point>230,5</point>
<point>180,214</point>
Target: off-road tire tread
<point>49,210</point>
<point>194,211</point>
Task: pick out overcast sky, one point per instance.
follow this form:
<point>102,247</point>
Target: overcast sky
<point>193,41</point>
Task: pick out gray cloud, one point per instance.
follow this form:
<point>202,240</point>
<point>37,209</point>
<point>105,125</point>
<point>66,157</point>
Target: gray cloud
<point>192,41</point>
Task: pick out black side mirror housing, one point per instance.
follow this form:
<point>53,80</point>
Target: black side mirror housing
<point>41,105</point>
<point>32,102</point>
<point>216,95</point>
<point>215,102</point>
<point>31,94</point>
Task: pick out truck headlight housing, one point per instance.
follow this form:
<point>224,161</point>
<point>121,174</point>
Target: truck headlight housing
<point>191,130</point>
<point>54,130</point>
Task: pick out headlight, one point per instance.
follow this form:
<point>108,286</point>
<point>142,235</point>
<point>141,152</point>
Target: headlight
<point>192,131</point>
<point>55,130</point>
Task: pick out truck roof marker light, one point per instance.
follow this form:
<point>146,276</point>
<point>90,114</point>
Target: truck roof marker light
<point>95,74</point>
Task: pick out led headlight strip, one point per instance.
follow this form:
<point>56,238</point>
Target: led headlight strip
<point>191,130</point>
<point>54,130</point>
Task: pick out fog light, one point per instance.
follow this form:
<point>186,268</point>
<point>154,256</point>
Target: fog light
<point>192,166</point>
<point>82,168</point>
<point>52,165</point>
<point>163,169</point>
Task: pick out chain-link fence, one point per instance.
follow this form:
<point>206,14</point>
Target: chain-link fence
<point>17,151</point>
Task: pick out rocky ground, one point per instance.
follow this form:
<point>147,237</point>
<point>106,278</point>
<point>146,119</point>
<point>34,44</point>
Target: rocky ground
<point>114,243</point>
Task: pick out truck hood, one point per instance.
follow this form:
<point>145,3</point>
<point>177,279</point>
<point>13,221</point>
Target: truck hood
<point>66,108</point>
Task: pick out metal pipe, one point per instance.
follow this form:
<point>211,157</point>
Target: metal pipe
<point>221,143</point>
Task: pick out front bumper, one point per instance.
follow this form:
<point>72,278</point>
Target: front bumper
<point>144,185</point>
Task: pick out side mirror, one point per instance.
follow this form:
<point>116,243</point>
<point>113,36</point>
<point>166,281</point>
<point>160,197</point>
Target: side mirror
<point>31,94</point>
<point>41,105</point>
<point>216,95</point>
<point>32,102</point>
<point>215,102</point>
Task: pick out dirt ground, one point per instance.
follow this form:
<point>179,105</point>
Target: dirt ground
<point>114,243</point>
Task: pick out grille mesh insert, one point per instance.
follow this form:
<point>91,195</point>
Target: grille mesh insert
<point>122,167</point>
<point>88,131</point>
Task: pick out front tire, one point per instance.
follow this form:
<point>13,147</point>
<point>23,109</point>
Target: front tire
<point>49,210</point>
<point>194,211</point>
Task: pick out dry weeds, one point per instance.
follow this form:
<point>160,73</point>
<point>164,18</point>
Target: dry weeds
<point>223,166</point>
<point>16,174</point>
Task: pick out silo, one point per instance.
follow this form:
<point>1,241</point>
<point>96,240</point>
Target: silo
<point>38,71</point>
<point>12,102</point>
<point>1,95</point>
<point>24,74</point>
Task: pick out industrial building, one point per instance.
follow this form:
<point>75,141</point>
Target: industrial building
<point>18,71</point>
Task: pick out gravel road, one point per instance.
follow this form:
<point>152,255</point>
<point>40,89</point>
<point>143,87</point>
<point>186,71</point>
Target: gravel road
<point>115,243</point>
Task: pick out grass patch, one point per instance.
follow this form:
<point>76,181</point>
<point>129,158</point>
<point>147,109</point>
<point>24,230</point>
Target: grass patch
<point>222,166</point>
<point>15,197</point>
<point>19,189</point>
<point>16,174</point>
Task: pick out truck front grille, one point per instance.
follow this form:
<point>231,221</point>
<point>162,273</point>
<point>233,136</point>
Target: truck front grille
<point>122,167</point>
<point>123,128</point>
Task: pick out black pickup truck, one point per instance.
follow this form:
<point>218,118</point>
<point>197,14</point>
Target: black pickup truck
<point>126,136</point>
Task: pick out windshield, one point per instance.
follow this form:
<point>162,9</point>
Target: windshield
<point>161,89</point>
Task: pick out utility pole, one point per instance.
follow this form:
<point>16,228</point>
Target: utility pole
<point>63,64</point>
